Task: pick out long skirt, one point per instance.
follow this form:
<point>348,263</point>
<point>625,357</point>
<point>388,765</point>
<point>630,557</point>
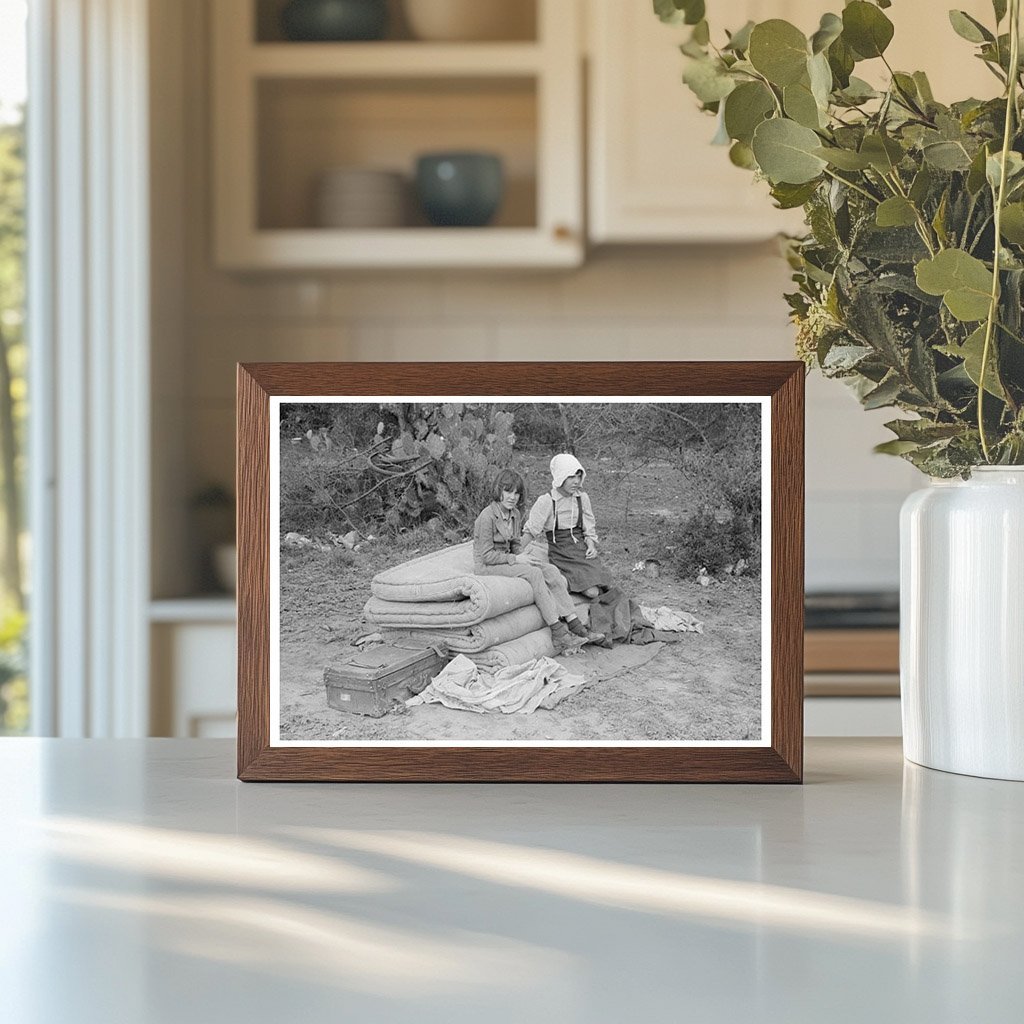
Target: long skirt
<point>568,551</point>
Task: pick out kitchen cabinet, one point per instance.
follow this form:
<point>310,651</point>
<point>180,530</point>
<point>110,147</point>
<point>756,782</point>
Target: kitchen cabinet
<point>192,650</point>
<point>653,175</point>
<point>287,113</point>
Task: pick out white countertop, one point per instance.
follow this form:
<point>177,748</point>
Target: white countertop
<point>142,884</point>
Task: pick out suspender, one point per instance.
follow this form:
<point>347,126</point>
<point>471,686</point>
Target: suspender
<point>554,516</point>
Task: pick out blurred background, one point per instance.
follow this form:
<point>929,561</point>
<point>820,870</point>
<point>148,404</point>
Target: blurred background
<point>249,180</point>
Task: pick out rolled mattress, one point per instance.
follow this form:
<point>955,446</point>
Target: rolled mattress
<point>516,652</point>
<point>483,635</point>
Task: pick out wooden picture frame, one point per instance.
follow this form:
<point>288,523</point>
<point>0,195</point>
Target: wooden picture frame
<point>776,757</point>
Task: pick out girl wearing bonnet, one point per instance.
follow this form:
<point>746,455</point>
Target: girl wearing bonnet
<point>565,517</point>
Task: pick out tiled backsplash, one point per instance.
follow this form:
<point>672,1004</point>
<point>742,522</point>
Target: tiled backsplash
<point>700,303</point>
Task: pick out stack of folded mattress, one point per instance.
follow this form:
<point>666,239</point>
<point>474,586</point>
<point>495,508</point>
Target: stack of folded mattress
<point>437,598</point>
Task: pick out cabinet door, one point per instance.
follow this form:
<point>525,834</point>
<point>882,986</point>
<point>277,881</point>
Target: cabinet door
<point>654,175</point>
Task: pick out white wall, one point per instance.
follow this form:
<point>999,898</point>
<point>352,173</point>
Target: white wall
<point>721,302</point>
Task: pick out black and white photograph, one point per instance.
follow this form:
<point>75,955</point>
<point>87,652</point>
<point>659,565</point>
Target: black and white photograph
<point>542,571</point>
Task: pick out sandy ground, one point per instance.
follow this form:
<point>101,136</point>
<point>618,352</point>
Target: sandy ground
<point>704,687</point>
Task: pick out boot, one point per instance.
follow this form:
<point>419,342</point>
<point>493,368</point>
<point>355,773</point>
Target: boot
<point>576,627</point>
<point>564,642</point>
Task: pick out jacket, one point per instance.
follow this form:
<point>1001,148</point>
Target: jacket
<point>497,539</point>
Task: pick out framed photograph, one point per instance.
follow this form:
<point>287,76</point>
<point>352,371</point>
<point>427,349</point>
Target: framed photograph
<point>518,572</point>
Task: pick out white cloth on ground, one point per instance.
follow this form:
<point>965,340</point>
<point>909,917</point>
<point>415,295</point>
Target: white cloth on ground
<point>519,689</point>
<point>671,620</point>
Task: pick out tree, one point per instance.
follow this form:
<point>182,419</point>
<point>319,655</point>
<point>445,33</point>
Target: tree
<point>12,348</point>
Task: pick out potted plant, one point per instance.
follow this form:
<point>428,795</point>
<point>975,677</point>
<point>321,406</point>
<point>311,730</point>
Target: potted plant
<point>909,285</point>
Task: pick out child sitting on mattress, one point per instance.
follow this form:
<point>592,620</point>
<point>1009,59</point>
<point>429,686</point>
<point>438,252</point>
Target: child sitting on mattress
<point>566,518</point>
<point>498,551</point>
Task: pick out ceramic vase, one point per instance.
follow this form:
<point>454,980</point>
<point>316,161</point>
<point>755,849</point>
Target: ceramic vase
<point>962,624</point>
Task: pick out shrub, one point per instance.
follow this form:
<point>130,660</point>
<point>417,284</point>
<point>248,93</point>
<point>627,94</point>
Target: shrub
<point>705,543</point>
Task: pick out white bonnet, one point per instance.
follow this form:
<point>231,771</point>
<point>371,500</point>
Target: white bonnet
<point>563,466</point>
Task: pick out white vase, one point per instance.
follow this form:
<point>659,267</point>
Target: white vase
<point>962,624</point>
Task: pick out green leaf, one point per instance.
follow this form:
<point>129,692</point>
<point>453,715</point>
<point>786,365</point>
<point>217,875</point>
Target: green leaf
<point>844,159</point>
<point>963,281</point>
<point>830,28</point>
<point>785,152</point>
<point>923,431</point>
<point>701,33</point>
<point>939,220</point>
<point>968,28</point>
<point>906,89</point>
<point>721,136</point>
<point>820,76</point>
<point>707,80</point>
<point>896,212</point>
<point>924,88</point>
<point>885,394</point>
<point>778,50</point>
<point>866,29</point>
<point>789,197</point>
<point>971,352</point>
<point>921,185</point>
<point>745,108</point>
<point>741,155</point>
<point>883,153</point>
<point>1012,224</point>
<point>800,105</point>
<point>841,60</point>
<point>739,41</point>
<point>675,12</point>
<point>895,447</point>
<point>1014,169</point>
<point>999,7</point>
<point>976,174</point>
<point>858,91</point>
<point>947,156</point>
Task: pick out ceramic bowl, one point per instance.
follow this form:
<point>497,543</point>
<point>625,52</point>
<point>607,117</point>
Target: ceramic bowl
<point>461,189</point>
<point>358,197</point>
<point>471,20</point>
<point>334,20</point>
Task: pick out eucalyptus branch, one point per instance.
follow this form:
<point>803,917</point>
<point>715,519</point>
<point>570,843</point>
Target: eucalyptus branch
<point>923,227</point>
<point>993,308</point>
<point>977,238</point>
<point>771,89</point>
<point>853,185</point>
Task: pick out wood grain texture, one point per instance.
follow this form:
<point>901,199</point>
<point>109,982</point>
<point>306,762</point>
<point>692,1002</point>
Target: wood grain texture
<point>852,650</point>
<point>252,487</point>
<point>781,762</point>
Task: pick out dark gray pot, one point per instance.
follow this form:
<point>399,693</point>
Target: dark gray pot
<point>334,20</point>
<point>460,189</point>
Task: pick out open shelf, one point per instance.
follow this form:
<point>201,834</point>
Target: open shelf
<point>306,128</point>
<point>288,113</point>
<point>520,15</point>
<point>393,60</point>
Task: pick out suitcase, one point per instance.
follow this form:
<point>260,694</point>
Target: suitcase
<point>369,682</point>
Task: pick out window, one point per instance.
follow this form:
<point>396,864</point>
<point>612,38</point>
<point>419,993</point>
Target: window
<point>14,697</point>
